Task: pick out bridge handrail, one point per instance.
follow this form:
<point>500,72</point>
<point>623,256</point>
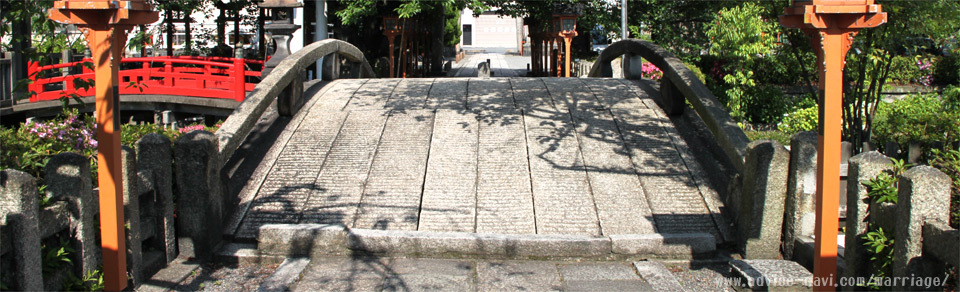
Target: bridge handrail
<point>239,124</point>
<point>221,77</point>
<point>730,137</point>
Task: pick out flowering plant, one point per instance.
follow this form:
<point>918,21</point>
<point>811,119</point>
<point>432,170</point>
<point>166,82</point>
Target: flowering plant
<point>29,147</point>
<point>651,71</point>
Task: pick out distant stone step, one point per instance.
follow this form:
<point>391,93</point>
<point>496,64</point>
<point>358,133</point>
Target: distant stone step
<point>297,240</point>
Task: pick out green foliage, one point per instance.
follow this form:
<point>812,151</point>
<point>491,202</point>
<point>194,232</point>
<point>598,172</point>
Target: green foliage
<point>869,64</point>
<point>742,35</point>
<point>451,28</point>
<point>906,70</point>
<point>880,247</point>
<point>804,119</point>
<point>679,26</point>
<point>765,104</point>
<point>741,32</point>
<point>129,134</point>
<point>917,119</point>
<point>948,161</point>
<point>883,188</point>
<point>29,147</point>
<point>947,71</point>
<point>92,281</point>
<point>55,256</point>
<point>779,136</point>
<point>45,37</point>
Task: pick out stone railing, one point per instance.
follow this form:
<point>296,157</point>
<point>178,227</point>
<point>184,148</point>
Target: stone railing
<point>678,83</point>
<point>72,217</point>
<point>285,84</point>
<point>918,221</point>
<point>761,165</point>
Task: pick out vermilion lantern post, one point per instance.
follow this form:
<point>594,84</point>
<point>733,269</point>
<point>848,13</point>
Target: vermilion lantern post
<point>391,29</point>
<point>105,24</point>
<point>568,30</point>
<point>831,26</point>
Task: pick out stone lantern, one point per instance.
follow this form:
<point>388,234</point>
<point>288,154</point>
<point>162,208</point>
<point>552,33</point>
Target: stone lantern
<point>280,28</point>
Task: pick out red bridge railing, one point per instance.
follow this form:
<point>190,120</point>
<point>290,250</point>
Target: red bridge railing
<point>209,77</point>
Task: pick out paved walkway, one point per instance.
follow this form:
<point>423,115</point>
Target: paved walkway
<point>501,155</point>
<point>502,65</point>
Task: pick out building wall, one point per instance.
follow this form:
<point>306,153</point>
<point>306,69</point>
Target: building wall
<point>490,30</point>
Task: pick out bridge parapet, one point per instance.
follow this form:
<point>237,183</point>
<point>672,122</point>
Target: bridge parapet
<point>679,82</point>
<point>285,84</point>
<point>758,193</point>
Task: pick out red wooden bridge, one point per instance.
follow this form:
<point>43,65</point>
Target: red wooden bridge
<point>207,77</point>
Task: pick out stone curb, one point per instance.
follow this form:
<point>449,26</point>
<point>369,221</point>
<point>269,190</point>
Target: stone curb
<point>293,240</point>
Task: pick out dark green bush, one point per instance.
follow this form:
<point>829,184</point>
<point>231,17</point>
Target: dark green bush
<point>947,71</point>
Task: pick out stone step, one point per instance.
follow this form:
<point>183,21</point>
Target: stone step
<point>297,240</point>
<point>375,273</point>
<point>772,275</point>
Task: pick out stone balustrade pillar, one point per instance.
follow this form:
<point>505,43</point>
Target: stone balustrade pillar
<point>861,168</point>
<point>19,214</point>
<point>923,195</point>
<point>762,198</point>
<point>199,196</point>
<point>68,179</point>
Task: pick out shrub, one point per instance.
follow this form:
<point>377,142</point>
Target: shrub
<point>908,70</point>
<point>947,71</point>
<point>765,104</point>
<point>917,119</point>
<point>29,147</point>
<point>804,119</point>
<point>948,162</point>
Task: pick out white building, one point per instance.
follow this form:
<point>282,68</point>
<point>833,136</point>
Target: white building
<point>490,31</point>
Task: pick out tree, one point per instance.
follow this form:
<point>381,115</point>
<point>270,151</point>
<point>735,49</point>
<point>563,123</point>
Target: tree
<point>741,34</point>
<point>869,63</point>
<point>33,37</point>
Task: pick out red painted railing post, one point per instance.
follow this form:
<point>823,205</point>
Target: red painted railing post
<point>168,68</point>
<point>33,72</point>
<point>239,81</point>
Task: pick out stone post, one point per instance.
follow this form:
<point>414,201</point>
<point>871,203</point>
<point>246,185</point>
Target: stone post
<point>924,195</point>
<point>199,197</point>
<point>68,179</point>
<point>800,213</point>
<point>861,168</point>
<point>19,213</point>
<point>331,67</point>
<point>155,163</point>
<point>671,99</point>
<point>288,101</point>
<point>760,215</point>
<point>483,70</point>
<point>131,214</point>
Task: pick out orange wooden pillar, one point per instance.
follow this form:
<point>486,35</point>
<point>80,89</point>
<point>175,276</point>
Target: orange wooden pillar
<point>831,26</point>
<point>105,24</point>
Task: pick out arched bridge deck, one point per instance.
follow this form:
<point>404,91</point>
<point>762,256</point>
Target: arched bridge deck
<point>504,155</point>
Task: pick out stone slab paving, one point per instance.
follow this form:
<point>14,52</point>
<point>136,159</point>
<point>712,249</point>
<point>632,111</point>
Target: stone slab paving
<point>501,65</point>
<point>450,189</point>
<point>500,155</point>
<point>365,273</point>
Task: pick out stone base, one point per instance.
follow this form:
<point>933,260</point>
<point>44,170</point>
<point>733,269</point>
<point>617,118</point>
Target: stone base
<point>772,275</point>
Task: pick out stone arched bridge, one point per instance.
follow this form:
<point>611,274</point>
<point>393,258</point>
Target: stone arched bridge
<point>492,161</point>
